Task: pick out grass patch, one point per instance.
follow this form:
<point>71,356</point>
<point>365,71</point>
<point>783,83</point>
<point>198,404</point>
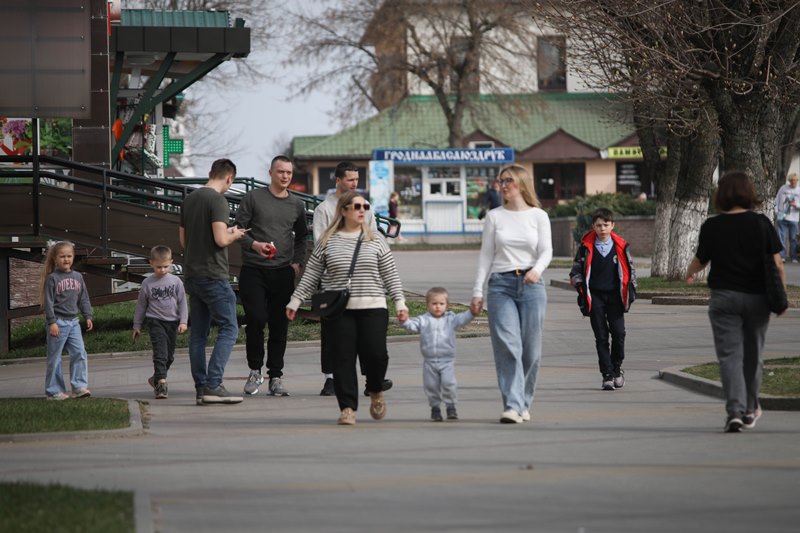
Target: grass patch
<point>776,380</point>
<point>35,415</point>
<point>29,507</point>
<point>113,328</point>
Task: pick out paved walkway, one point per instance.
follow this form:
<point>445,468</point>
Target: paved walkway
<point>650,457</point>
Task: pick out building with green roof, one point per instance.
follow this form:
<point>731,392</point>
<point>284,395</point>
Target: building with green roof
<point>572,143</point>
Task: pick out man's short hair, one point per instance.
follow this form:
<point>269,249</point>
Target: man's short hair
<point>279,158</point>
<point>605,214</point>
<point>343,168</point>
<point>160,253</point>
<point>221,168</point>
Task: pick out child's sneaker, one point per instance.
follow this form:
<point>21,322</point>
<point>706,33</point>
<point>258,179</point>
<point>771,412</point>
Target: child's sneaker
<point>81,393</point>
<point>452,414</point>
<point>619,380</point>
<point>436,414</point>
<point>608,383</point>
<point>59,396</point>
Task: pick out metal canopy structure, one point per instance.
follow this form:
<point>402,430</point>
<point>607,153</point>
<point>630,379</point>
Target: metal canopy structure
<point>180,46</point>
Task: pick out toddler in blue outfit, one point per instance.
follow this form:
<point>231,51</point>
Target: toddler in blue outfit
<point>437,340</point>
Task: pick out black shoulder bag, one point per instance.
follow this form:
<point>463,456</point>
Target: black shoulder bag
<point>776,292</point>
<point>330,304</point>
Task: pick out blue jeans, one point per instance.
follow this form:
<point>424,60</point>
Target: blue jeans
<point>516,319</point>
<point>69,336</point>
<point>212,300</point>
<point>788,229</point>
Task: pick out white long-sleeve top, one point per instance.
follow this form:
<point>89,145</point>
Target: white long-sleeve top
<point>512,240</point>
<point>375,273</point>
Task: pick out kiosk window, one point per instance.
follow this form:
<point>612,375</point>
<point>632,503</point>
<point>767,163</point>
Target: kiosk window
<point>408,184</point>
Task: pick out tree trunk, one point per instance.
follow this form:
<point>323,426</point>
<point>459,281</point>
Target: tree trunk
<point>700,155</point>
<point>666,180</point>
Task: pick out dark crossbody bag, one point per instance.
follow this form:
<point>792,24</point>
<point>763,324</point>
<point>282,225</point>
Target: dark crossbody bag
<point>776,291</point>
<point>331,303</point>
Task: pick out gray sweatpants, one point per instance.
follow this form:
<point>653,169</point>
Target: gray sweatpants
<point>439,380</point>
<point>739,323</point>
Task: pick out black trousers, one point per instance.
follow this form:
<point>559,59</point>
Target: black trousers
<point>264,293</point>
<point>358,333</point>
<point>162,337</point>
<point>608,319</point>
<point>327,352</point>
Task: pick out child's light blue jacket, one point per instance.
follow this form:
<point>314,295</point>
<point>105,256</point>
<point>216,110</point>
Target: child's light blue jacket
<point>437,337</point>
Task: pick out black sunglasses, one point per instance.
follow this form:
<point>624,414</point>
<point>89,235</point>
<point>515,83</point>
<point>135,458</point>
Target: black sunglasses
<point>359,207</point>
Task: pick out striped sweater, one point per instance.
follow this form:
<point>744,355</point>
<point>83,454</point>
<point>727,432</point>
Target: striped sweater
<point>375,273</point>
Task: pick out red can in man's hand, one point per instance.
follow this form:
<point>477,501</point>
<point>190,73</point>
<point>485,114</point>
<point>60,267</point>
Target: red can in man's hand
<point>269,250</point>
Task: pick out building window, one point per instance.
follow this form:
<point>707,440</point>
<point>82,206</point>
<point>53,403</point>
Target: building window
<point>631,179</point>
<point>479,179</point>
<point>481,144</point>
<point>559,181</point>
<point>444,181</point>
<point>408,184</point>
<point>551,63</point>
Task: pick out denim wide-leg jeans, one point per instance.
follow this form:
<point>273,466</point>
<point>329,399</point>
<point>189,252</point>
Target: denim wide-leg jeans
<point>211,300</point>
<point>516,319</point>
<point>69,337</point>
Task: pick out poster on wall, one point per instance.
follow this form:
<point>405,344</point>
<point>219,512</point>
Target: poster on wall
<point>381,184</point>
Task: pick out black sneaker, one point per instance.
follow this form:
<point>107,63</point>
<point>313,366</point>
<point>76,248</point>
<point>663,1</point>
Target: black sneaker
<point>436,414</point>
<point>387,384</point>
<point>452,414</point>
<point>733,425</point>
<point>327,388</point>
<point>219,394</point>
<point>608,382</point>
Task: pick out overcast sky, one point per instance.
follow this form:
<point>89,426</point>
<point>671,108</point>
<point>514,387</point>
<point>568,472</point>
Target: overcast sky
<point>261,117</point>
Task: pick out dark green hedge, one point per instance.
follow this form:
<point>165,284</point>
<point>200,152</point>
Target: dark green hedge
<point>582,207</point>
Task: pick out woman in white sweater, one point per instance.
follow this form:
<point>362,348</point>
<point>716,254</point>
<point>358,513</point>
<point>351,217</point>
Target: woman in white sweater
<point>515,250</point>
<point>360,331</point>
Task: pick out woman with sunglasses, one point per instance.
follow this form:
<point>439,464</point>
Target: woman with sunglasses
<point>360,331</point>
<point>515,250</point>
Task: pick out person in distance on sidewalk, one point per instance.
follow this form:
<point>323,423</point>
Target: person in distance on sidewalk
<point>605,279</point>
<point>735,242</point>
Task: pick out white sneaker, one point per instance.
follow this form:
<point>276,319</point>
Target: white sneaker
<point>526,415</point>
<point>254,380</point>
<point>510,416</point>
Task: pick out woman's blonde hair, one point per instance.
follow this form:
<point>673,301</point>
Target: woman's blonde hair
<point>338,218</point>
<point>50,265</point>
<point>525,183</point>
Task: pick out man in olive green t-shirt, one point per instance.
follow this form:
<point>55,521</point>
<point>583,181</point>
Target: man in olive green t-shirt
<point>205,236</point>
